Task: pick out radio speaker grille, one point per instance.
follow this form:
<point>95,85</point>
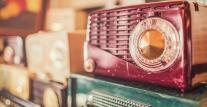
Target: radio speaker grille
<point>97,99</point>
<point>110,29</point>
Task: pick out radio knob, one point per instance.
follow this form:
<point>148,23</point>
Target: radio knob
<point>7,102</point>
<point>89,65</point>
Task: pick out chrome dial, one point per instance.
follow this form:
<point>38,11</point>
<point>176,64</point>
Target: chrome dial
<point>154,44</point>
<point>151,44</point>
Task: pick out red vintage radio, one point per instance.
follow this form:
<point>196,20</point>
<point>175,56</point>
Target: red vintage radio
<point>162,43</point>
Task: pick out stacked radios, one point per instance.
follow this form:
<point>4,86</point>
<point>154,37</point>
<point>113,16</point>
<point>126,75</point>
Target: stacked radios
<point>51,57</point>
<point>47,58</point>
<point>42,76</point>
<point>158,43</point>
<point>14,81</point>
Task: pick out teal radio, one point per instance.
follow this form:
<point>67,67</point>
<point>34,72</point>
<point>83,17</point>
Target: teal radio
<point>89,91</point>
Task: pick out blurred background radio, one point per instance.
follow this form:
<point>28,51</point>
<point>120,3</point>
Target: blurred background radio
<point>47,55</point>
<point>9,100</point>
<point>51,57</point>
<point>12,50</point>
<point>15,79</point>
<point>48,94</point>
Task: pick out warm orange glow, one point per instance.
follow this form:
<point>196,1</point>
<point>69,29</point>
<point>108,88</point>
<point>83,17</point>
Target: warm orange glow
<point>33,5</point>
<point>11,10</point>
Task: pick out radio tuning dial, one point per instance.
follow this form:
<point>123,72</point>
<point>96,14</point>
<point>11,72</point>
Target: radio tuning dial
<point>152,44</point>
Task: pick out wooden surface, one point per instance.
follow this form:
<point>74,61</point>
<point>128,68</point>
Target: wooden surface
<point>199,35</point>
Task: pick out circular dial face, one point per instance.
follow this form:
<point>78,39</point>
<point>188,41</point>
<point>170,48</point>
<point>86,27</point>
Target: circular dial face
<point>154,44</point>
<point>151,44</point>
<point>50,98</point>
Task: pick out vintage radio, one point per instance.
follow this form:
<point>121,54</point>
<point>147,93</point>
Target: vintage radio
<point>161,43</point>
<point>63,54</point>
<point>9,100</point>
<point>47,55</point>
<point>15,79</point>
<point>87,91</point>
<point>48,94</point>
<point>12,50</point>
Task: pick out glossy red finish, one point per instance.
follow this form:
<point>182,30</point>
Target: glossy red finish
<point>110,63</point>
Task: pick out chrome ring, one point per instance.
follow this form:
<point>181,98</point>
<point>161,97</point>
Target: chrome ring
<point>171,49</point>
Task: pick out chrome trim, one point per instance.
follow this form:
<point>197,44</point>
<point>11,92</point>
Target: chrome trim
<point>172,44</point>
